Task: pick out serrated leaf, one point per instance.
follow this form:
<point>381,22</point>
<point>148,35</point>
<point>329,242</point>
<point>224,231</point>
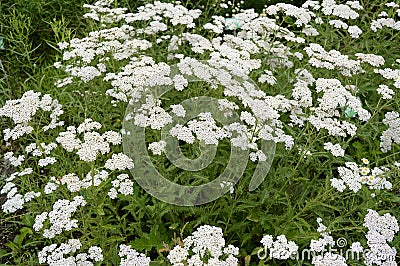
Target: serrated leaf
<point>147,241</point>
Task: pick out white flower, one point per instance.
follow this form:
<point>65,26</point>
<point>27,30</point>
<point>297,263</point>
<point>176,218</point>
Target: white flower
<point>205,240</point>
<point>50,187</point>
<point>356,247</point>
<point>381,230</point>
<point>338,24</point>
<point>392,134</point>
<point>180,82</point>
<point>95,253</point>
<point>130,257</point>
<point>354,31</point>
<point>121,185</point>
<point>72,181</point>
<point>385,92</point>
<point>59,217</point>
<point>228,184</point>
<point>119,162</point>
<point>281,248</point>
<point>178,110</point>
<point>46,161</point>
<point>88,125</point>
<point>182,133</point>
<point>157,147</point>
<point>14,161</point>
<point>372,59</point>
<point>335,149</point>
<point>177,255</point>
<point>54,256</point>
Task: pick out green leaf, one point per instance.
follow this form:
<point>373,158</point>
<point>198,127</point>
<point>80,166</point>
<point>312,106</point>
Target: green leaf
<point>20,238</point>
<point>147,241</point>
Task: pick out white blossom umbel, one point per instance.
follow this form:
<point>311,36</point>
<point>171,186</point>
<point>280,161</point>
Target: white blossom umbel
<point>130,257</point>
<point>60,217</point>
<point>392,134</point>
<point>381,231</point>
<point>354,176</point>
<point>22,111</point>
<point>93,142</point>
<point>280,248</point>
<point>61,255</point>
<point>206,246</point>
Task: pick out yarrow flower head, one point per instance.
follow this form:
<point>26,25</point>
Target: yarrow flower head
<point>130,257</point>
<point>53,255</point>
<point>281,248</point>
<point>205,240</point>
<point>381,231</point>
<point>93,142</point>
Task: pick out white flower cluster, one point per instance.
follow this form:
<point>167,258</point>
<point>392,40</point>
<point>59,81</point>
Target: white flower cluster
<point>336,149</point>
<point>75,184</point>
<point>228,184</point>
<point>338,24</point>
<point>327,115</point>
<point>15,201</point>
<point>331,60</point>
<point>151,114</point>
<point>325,240</point>
<point>157,147</point>
<point>39,150</point>
<point>236,6</point>
<point>177,14</point>
<point>205,129</point>
<point>227,106</point>
<point>22,110</point>
<point>281,248</point>
<point>303,16</point>
<point>102,13</point>
<point>123,185</point>
<point>130,257</point>
<point>310,31</point>
<point>393,74</point>
<point>380,23</point>
<point>354,176</point>
<point>13,160</point>
<point>385,91</point>
<point>119,162</point>
<point>93,142</point>
<point>392,134</point>
<point>178,109</point>
<point>46,161</point>
<point>55,256</point>
<point>354,31</point>
<point>51,185</point>
<point>326,257</point>
<point>381,231</point>
<point>206,241</point>
<point>234,53</point>
<point>372,59</point>
<point>60,217</point>
<point>139,73</point>
<point>330,8</point>
<point>267,77</point>
<point>301,91</point>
